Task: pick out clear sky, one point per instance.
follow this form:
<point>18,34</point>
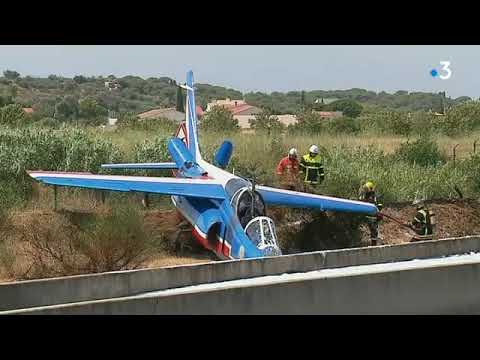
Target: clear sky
<point>263,68</point>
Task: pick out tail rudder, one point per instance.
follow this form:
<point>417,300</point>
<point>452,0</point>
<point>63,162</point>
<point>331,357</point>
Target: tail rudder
<point>191,118</point>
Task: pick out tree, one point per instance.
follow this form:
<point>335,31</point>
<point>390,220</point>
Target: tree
<point>219,119</point>
<point>349,107</point>
<point>343,125</point>
<point>5,100</point>
<point>180,106</point>
<point>11,75</point>
<point>460,119</point>
<point>44,108</point>
<point>266,121</point>
<point>13,91</point>
<point>89,108</point>
<point>309,122</point>
<point>67,109</point>
<point>79,79</point>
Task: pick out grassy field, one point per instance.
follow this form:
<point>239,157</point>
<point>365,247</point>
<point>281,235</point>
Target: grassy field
<point>348,160</point>
<point>37,242</point>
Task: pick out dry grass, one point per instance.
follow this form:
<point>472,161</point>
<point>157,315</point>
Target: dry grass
<point>177,260</point>
<point>251,143</point>
<point>26,250</point>
<point>39,242</point>
<point>44,243</point>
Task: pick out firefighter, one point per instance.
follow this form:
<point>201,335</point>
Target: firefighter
<point>423,223</point>
<point>367,193</point>
<point>287,170</point>
<point>311,168</point>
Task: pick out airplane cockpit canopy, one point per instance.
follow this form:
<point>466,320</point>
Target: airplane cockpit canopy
<point>261,230</point>
<point>250,209</point>
<point>247,204</point>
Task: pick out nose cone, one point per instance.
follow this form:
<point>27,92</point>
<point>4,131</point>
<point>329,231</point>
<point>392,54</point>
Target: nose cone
<point>272,251</point>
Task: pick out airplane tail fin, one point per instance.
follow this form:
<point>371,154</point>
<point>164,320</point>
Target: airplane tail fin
<point>191,118</point>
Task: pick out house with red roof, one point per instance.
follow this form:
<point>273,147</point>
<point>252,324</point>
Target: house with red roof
<point>236,107</point>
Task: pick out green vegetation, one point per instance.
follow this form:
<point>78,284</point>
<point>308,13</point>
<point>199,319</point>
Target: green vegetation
<point>392,139</point>
<point>219,119</point>
<point>267,122</point>
<point>59,244</point>
<point>86,98</point>
<point>66,149</point>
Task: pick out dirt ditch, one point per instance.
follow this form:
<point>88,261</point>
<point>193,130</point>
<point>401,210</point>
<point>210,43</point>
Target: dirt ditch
<point>298,230</point>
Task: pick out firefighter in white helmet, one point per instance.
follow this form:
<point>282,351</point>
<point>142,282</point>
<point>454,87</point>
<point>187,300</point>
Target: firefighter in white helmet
<point>287,170</point>
<point>311,168</point>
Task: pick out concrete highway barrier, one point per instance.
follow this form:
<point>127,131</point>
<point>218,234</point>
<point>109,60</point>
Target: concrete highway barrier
<point>431,286</point>
<point>125,284</point>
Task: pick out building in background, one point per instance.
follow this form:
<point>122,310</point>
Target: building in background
<point>112,85</point>
<point>244,121</point>
<point>236,107</point>
<point>330,114</point>
<point>227,103</point>
<point>170,113</point>
<point>325,101</point>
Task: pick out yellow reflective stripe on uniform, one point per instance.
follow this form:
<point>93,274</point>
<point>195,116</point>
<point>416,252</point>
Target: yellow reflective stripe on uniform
<point>424,213</point>
<point>311,164</point>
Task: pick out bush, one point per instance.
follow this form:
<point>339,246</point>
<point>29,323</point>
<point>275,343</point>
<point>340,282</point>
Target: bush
<point>267,122</point>
<point>219,119</point>
<point>13,115</point>
<point>128,121</point>
<point>393,122</point>
<point>423,152</point>
<point>343,125</point>
<point>349,107</point>
<point>152,150</point>
<point>471,167</point>
<point>116,241</point>
<point>54,245</point>
<point>67,149</point>
<point>460,119</point>
<point>308,122</point>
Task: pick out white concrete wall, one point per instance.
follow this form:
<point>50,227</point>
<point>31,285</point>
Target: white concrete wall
<point>90,287</point>
<point>433,286</point>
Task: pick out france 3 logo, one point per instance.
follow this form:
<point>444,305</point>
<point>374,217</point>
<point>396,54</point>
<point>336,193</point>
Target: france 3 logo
<point>446,71</point>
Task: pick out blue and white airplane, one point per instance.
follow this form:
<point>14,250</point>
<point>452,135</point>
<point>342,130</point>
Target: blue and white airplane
<point>227,212</point>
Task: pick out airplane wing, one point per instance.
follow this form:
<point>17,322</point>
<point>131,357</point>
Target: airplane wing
<point>297,199</point>
<point>164,165</point>
<point>205,188</point>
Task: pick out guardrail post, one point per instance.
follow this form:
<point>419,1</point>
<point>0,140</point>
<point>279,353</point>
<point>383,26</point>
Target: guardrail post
<point>454,153</point>
<point>55,197</point>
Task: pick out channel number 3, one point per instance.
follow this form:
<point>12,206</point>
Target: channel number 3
<point>446,68</point>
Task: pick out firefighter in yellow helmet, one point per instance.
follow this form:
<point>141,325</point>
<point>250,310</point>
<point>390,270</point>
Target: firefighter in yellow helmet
<point>368,193</point>
<point>311,168</point>
<point>423,223</point>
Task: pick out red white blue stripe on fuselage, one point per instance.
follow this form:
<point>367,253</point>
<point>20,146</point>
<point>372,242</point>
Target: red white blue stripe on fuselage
<point>230,240</point>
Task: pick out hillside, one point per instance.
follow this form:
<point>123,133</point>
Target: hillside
<point>61,96</point>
